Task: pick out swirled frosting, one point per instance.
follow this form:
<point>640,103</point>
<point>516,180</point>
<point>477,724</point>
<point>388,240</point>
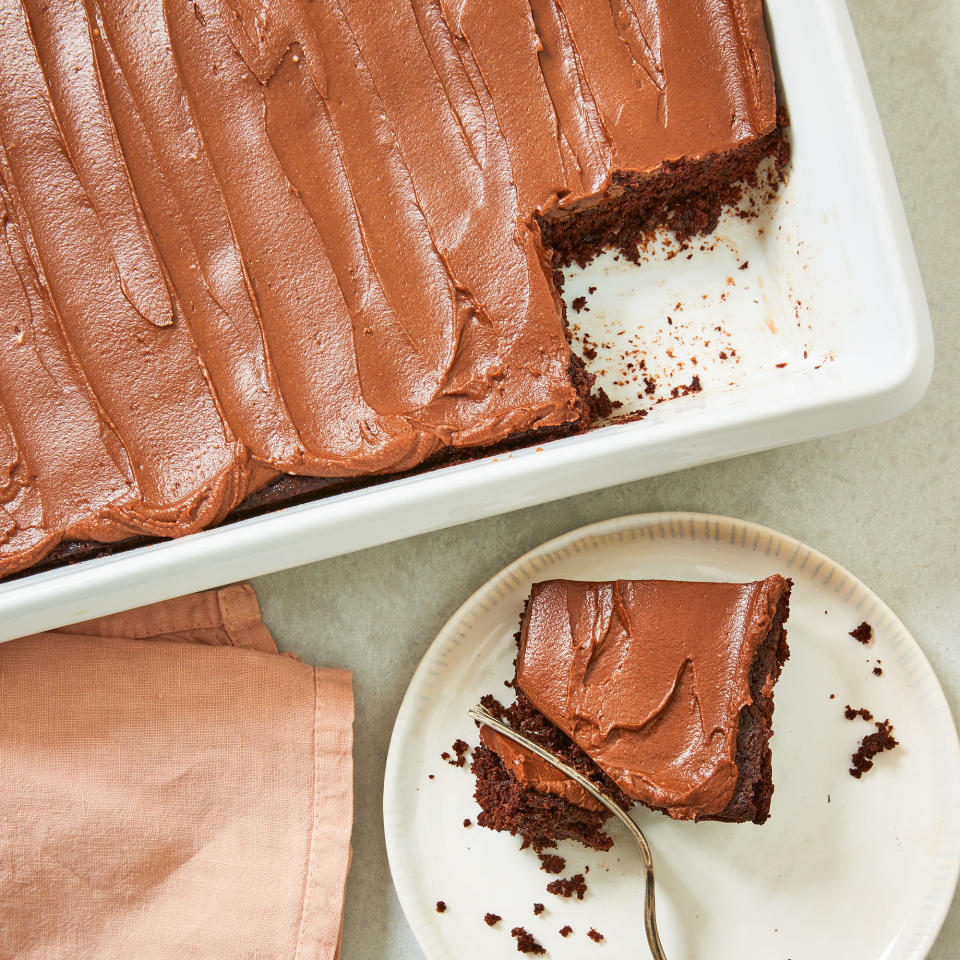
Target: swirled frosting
<point>648,677</point>
<point>249,237</point>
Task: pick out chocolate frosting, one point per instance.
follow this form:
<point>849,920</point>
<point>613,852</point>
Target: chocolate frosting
<point>244,238</point>
<point>534,772</point>
<point>648,677</point>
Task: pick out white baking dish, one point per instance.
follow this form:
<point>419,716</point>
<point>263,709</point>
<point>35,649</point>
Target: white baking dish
<point>832,273</point>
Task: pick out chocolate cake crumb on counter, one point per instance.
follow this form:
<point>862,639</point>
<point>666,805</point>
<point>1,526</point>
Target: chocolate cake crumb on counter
<point>491,919</point>
<point>852,714</point>
<point>566,930</point>
<point>538,908</point>
<point>441,907</point>
<point>385,299</point>
<point>657,649</point>
<point>595,935</point>
<point>862,633</point>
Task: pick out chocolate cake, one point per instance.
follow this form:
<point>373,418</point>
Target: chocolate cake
<point>659,692</point>
<point>259,251</point>
<point>526,942</point>
<point>870,746</point>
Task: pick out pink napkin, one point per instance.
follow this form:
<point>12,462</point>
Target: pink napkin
<point>172,787</point>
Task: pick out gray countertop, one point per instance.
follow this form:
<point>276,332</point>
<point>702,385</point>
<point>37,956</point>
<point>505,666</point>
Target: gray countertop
<point>882,501</point>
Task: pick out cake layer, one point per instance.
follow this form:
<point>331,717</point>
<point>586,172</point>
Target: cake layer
<point>666,686</point>
<point>534,772</point>
<point>540,818</point>
<point>246,239</point>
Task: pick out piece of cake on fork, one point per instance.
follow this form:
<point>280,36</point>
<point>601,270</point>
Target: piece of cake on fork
<point>660,692</point>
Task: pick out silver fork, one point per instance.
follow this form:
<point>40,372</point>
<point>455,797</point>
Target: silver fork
<point>482,715</point>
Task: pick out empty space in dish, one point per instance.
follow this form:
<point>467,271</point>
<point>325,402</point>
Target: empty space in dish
<point>737,310</point>
<point>793,303</point>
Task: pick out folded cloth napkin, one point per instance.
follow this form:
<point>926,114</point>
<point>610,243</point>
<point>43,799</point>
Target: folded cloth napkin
<point>172,787</point>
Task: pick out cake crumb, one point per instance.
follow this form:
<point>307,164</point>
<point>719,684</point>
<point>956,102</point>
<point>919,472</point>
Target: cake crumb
<point>685,389</point>
<point>780,366</point>
<point>526,942</point>
<point>833,696</point>
<point>745,265</point>
<point>441,907</point>
<point>551,863</point>
<point>460,748</point>
<point>578,304</point>
<point>595,935</point>
<point>852,714</point>
<point>568,886</point>
<point>467,822</point>
<point>491,919</point>
<point>565,931</point>
<point>538,908</point>
<point>429,776</point>
<point>877,672</point>
<point>870,746</point>
<point>863,633</point>
<point>591,290</point>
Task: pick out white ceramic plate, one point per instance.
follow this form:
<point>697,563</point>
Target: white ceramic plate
<point>858,869</point>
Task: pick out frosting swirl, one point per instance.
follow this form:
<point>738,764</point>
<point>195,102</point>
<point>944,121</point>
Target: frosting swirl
<point>251,237</point>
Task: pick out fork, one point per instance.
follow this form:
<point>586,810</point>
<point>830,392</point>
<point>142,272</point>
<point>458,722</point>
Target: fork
<point>482,715</point>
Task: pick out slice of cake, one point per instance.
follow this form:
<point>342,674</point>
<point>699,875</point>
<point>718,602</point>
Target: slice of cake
<point>660,692</point>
